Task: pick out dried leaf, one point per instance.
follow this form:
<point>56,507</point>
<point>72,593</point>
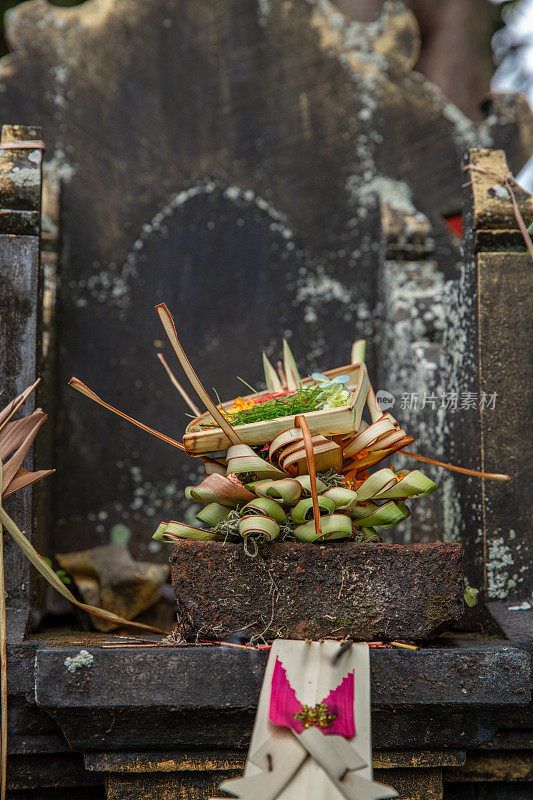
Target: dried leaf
<point>28,428</point>
<point>48,573</point>
<point>83,389</point>
<point>168,324</point>
<point>24,478</point>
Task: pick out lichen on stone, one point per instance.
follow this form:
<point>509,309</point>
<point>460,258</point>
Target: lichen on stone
<point>82,659</point>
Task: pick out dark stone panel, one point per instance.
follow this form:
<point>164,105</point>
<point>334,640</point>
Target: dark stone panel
<point>497,790</point>
<point>49,771</point>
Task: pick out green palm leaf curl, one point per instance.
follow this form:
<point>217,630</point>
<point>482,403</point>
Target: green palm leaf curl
<point>213,513</point>
<point>413,483</point>
<point>303,511</point>
<point>286,490</point>
<point>172,532</point>
<point>259,527</point>
<point>219,489</point>
<point>242,460</point>
<point>263,510</point>
<point>387,484</point>
<point>305,483</point>
<point>334,526</point>
<point>267,507</point>
<point>370,515</point>
<point>344,499</point>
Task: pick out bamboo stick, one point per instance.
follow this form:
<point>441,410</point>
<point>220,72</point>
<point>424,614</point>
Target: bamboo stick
<point>81,387</point>
<point>491,476</point>
<point>168,323</point>
<point>178,386</point>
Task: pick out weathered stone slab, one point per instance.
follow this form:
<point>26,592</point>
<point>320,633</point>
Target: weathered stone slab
<point>20,287</point>
<point>161,697</point>
<point>293,591</point>
<point>489,343</point>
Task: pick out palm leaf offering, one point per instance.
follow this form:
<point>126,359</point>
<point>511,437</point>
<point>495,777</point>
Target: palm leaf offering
<point>292,463</point>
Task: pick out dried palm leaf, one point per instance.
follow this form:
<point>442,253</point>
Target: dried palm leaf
<point>15,404</point>
<point>83,389</point>
<point>491,476</point>
<point>168,324</point>
<point>48,573</point>
<point>175,382</point>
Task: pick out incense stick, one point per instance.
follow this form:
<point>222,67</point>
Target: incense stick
<point>80,387</point>
<point>168,324</point>
<point>175,382</point>
<point>491,476</point>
